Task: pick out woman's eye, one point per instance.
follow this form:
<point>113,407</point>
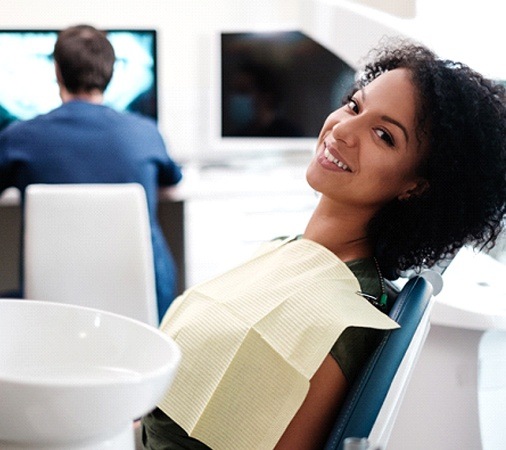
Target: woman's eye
<point>353,105</point>
<point>385,136</point>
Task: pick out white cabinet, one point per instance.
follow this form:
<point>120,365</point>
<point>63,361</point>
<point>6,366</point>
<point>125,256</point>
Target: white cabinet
<point>227,217</point>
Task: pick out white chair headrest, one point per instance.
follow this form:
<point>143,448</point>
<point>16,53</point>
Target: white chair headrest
<point>435,279</point>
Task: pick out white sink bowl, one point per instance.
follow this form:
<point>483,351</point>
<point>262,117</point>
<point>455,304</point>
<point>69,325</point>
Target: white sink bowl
<point>76,378</point>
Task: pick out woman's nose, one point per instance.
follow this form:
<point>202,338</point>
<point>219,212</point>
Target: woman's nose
<point>346,130</point>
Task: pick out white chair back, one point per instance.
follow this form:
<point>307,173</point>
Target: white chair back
<point>90,245</point>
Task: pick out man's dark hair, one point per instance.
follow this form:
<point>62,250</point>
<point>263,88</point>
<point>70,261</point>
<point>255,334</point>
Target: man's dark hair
<point>85,59</point>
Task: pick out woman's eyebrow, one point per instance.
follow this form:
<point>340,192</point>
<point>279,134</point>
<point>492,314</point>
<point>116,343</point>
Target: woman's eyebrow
<point>387,118</point>
<point>395,122</point>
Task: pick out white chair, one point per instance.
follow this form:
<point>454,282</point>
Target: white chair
<point>90,245</point>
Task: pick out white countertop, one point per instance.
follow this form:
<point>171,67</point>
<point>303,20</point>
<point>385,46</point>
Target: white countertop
<point>474,293</point>
<point>274,175</point>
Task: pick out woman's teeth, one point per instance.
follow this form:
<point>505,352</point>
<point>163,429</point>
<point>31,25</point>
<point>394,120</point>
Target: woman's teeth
<point>331,158</point>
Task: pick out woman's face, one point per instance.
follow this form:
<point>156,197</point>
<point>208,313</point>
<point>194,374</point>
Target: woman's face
<point>368,152</point>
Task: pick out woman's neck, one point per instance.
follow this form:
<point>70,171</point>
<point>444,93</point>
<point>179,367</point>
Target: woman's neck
<point>342,233</point>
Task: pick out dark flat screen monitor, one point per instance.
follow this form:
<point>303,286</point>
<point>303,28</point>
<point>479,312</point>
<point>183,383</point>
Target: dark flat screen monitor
<point>275,89</point>
<point>28,82</point>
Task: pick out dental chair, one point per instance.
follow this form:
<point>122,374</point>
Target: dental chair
<point>371,406</point>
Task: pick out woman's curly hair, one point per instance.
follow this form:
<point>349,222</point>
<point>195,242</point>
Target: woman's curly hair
<point>462,122</point>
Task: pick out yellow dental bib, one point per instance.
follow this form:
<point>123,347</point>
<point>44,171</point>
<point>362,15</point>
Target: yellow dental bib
<point>252,339</point>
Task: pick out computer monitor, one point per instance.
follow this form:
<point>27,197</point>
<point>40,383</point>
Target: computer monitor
<point>28,82</point>
<point>273,90</point>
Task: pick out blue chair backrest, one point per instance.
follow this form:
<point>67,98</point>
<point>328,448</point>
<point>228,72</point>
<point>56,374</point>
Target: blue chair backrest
<point>368,392</point>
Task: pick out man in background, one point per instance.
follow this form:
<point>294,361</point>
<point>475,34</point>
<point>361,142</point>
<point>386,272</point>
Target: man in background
<point>84,141</point>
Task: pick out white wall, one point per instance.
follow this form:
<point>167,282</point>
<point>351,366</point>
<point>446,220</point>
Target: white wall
<point>186,29</point>
<point>470,31</point>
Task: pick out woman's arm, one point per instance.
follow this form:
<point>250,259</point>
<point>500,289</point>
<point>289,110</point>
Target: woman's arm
<point>310,427</point>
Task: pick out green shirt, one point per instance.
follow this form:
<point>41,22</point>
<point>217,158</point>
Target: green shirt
<point>356,344</point>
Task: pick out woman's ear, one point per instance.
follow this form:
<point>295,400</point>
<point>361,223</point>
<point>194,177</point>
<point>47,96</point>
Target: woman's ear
<point>415,190</point>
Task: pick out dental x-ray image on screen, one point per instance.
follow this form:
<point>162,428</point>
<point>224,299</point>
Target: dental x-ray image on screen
<point>28,84</point>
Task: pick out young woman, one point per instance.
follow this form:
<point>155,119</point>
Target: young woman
<point>410,168</point>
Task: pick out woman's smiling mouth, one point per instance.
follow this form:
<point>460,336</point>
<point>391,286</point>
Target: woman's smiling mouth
<point>329,157</point>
